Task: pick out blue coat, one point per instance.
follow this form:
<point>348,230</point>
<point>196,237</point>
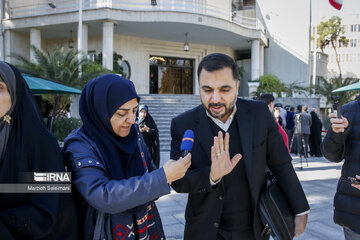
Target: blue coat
<point>104,201</point>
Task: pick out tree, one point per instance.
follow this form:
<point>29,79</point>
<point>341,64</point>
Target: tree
<point>294,87</point>
<point>270,84</point>
<point>116,66</point>
<point>332,33</point>
<point>61,66</point>
<point>327,86</point>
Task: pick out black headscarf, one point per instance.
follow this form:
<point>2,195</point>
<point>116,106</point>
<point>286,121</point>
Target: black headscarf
<point>315,135</point>
<point>99,100</point>
<point>8,77</point>
<point>31,148</point>
<point>151,138</point>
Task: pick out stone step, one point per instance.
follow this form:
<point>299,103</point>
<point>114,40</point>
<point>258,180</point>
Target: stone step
<point>164,107</point>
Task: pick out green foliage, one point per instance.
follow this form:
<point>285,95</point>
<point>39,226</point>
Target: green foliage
<point>270,84</point>
<point>61,66</point>
<point>241,71</point>
<point>331,33</point>
<point>116,66</point>
<point>91,70</point>
<point>327,86</point>
<point>63,126</point>
<point>294,87</point>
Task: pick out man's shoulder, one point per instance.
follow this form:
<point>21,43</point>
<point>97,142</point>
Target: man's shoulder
<point>351,106</point>
<point>251,104</point>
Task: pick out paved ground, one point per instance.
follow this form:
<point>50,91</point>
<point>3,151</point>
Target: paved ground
<point>319,181</point>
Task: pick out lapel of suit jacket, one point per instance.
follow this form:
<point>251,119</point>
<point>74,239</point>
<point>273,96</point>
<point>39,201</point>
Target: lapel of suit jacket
<point>203,132</point>
<point>245,121</point>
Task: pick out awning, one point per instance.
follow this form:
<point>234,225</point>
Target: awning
<point>351,87</point>
<point>42,86</point>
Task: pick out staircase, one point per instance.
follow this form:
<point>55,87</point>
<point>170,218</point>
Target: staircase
<point>164,107</point>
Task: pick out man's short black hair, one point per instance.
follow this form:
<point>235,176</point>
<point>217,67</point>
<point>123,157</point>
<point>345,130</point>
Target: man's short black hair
<point>298,108</point>
<point>267,97</point>
<point>217,61</point>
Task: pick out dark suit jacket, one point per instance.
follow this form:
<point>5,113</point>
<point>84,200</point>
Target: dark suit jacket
<point>262,146</point>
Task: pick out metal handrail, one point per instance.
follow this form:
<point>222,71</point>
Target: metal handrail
<point>200,7</point>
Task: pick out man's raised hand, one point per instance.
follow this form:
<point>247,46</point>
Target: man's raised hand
<point>221,164</point>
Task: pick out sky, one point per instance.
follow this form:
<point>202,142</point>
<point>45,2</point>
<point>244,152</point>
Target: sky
<point>322,10</point>
<point>288,20</point>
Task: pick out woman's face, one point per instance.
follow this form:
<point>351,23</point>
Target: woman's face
<point>277,113</point>
<point>5,99</point>
<point>124,118</point>
<point>142,113</point>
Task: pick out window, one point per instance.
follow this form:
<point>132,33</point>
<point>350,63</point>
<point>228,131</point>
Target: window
<point>91,55</point>
<point>340,45</point>
<point>351,28</point>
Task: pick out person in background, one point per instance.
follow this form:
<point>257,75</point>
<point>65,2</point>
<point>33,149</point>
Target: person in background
<point>290,125</point>
<point>302,131</point>
<point>114,178</point>
<point>315,134</point>
<point>342,142</point>
<point>150,133</point>
<point>278,117</point>
<point>27,147</point>
<point>283,113</point>
<point>269,100</point>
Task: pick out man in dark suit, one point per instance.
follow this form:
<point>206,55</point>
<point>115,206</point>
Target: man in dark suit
<point>227,174</point>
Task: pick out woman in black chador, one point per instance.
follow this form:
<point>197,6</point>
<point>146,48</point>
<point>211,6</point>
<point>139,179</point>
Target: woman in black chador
<point>26,147</point>
<point>315,135</point>
<point>150,133</point>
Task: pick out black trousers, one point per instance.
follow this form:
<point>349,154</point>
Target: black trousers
<point>235,235</point>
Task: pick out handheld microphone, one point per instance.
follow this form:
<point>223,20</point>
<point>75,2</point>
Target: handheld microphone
<point>187,143</point>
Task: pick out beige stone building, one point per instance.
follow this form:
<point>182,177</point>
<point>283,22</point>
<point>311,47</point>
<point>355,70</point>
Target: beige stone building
<point>163,41</point>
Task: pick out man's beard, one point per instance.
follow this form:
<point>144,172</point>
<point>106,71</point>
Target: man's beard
<point>227,109</point>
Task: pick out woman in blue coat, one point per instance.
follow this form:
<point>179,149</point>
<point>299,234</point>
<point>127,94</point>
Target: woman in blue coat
<point>112,170</point>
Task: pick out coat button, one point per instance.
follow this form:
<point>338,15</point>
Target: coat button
<point>216,225</point>
<point>221,197</point>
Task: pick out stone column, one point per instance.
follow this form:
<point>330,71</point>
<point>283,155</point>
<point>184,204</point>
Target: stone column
<point>255,59</point>
<point>35,40</point>
<point>262,60</point>
<point>8,46</point>
<point>108,45</point>
<point>85,39</point>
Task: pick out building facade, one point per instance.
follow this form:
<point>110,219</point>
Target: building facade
<point>163,41</point>
<point>349,55</point>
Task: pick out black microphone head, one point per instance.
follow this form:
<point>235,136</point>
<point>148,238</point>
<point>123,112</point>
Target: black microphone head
<point>187,141</point>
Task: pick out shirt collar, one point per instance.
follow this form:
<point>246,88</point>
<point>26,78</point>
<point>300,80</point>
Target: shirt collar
<point>224,126</point>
